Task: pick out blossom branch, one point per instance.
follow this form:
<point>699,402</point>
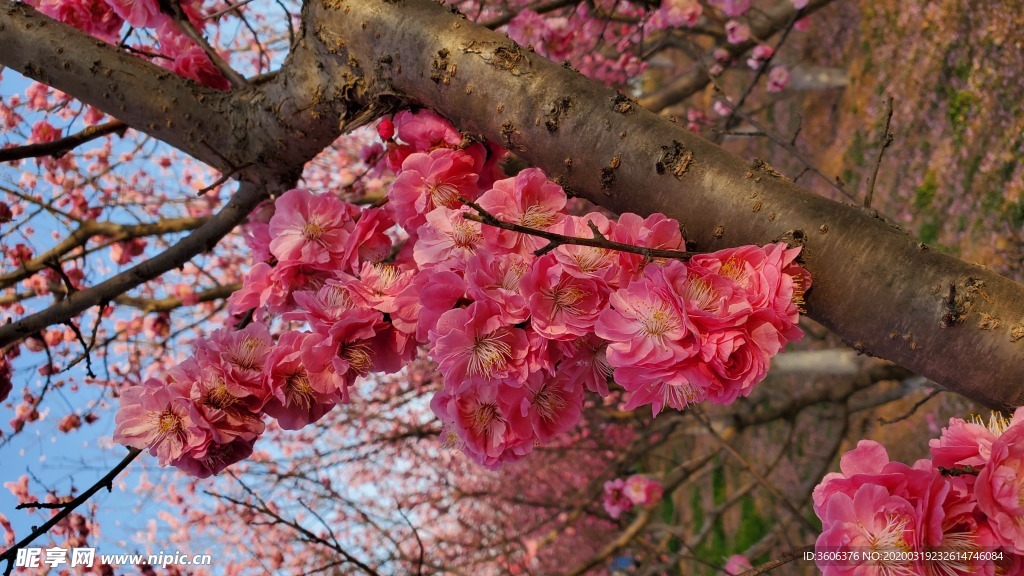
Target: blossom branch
<point>598,241</point>
<point>62,146</point>
<point>107,481</point>
<point>202,239</point>
<point>776,19</point>
<point>177,13</point>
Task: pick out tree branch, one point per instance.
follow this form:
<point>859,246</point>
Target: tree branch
<point>875,286</point>
<point>62,146</point>
<point>201,240</point>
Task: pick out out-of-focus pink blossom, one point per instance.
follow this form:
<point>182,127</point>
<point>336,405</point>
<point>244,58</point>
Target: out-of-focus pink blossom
<point>736,32</point>
<point>778,79</point>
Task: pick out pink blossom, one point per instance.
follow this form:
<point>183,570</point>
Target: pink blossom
<point>881,505</point>
<point>337,310</point>
<point>296,399</point>
<point>311,229</point>
<point>965,443</point>
<point>681,12</point>
<point>369,241</point>
<point>712,302</point>
<point>9,536</point>
<point>529,199</point>
<point>732,8</point>
<point>645,325</point>
<point>495,277</point>
<point>614,499</point>
<point>426,130</point>
<point>476,420</point>
<point>386,128</point>
<point>562,306</point>
<point>20,491</point>
<point>584,360</point>
<point>778,79</point>
<point>543,407</point>
<point>473,346</point>
<point>421,304</point>
<point>737,564</point>
<point>224,414</point>
<point>447,239</point>
<point>213,458</point>
<point>139,13</point>
<point>160,418</point>
<point>380,284</point>
<point>238,356</point>
<point>641,490</point>
<point>431,180</point>
<point>759,54</point>
<point>70,422</point>
<point>1000,488</point>
<point>94,17</point>
<point>736,32</point>
<point>600,264</point>
<point>656,231</point>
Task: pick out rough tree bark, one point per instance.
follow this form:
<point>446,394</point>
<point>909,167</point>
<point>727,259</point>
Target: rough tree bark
<point>958,324</point>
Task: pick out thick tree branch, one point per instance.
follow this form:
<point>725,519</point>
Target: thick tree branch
<point>873,284</point>
<point>877,288</point>
<point>201,240</point>
<point>110,230</point>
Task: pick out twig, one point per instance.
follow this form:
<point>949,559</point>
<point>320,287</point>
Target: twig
<point>884,143</point>
<point>783,560</point>
<point>220,13</point>
<point>699,414</point>
<point>913,409</point>
<point>58,148</point>
<point>106,482</point>
<point>177,13</point>
<point>836,183</point>
<point>485,217</point>
<point>223,178</point>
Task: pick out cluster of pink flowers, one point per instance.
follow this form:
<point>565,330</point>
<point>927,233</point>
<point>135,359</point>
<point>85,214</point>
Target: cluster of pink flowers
<point>519,329</point>
<point>105,19</point>
<point>959,512</point>
<point>621,495</point>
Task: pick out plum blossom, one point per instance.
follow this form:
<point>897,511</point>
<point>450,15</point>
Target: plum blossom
<point>1000,488</point>
<point>431,180</point>
<point>529,199</point>
<point>311,229</point>
<point>160,418</point>
<point>473,346</point>
<point>562,306</point>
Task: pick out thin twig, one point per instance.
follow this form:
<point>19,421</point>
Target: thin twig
<point>883,143</point>
<point>781,561</point>
<point>913,409</point>
<point>226,10</point>
<point>106,482</point>
<point>836,183</point>
<point>485,217</point>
